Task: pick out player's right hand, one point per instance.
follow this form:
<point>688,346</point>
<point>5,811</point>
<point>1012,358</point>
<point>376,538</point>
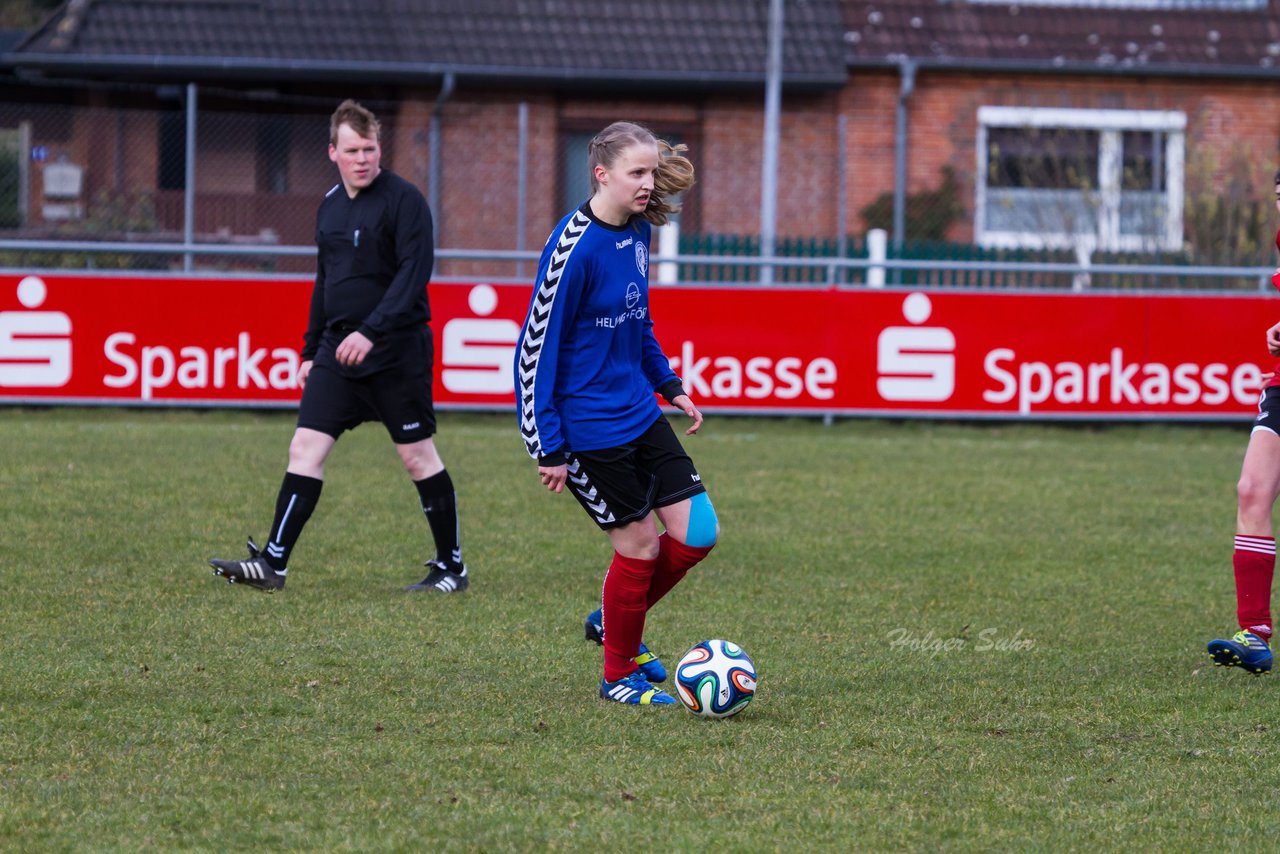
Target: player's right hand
<point>553,477</point>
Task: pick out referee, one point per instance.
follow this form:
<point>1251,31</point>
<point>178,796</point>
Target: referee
<point>367,354</point>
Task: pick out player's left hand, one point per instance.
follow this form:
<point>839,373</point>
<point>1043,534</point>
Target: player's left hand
<point>304,371</point>
<point>685,404</point>
<point>353,349</point>
<point>1273,340</point>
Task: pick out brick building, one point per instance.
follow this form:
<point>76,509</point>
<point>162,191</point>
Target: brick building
<point>1037,123</point>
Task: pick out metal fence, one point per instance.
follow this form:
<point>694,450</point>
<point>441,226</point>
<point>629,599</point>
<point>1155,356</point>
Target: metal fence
<point>185,179</point>
<point>857,260</point>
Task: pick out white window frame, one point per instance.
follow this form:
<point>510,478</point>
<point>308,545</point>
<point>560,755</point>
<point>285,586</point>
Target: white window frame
<point>1110,125</point>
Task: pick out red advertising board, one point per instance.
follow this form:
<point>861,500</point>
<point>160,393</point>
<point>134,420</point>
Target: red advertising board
<point>198,341</point>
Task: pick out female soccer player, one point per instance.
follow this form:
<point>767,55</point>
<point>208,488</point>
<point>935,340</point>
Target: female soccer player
<point>1254,558</point>
<point>587,366</point>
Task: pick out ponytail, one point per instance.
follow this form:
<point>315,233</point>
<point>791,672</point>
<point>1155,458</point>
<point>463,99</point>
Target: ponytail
<point>674,176</point>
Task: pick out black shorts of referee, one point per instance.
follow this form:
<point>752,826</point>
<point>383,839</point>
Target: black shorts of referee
<point>392,385</point>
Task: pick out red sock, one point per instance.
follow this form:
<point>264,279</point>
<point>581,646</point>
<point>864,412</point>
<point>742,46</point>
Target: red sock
<point>625,585</point>
<point>674,560</point>
<point>1255,564</point>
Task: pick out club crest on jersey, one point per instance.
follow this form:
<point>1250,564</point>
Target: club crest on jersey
<point>642,259</point>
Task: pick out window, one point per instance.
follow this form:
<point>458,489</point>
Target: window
<point>1105,179</point>
<point>577,183</point>
<point>172,165</point>
<point>274,141</point>
<point>577,180</point>
<point>15,144</point>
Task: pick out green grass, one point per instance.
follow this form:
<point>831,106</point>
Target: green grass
<point>1051,590</point>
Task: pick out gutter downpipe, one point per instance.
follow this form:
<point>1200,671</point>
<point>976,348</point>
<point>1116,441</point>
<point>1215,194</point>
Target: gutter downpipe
<point>908,70</point>
<point>189,180</point>
<point>433,165</point>
<point>772,118</point>
<point>522,183</point>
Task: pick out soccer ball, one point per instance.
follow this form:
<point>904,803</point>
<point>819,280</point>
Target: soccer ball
<point>715,679</point>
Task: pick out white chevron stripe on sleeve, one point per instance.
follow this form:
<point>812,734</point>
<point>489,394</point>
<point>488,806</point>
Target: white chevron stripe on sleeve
<point>533,336</point>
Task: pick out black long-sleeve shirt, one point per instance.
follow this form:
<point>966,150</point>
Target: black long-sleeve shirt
<point>375,258</point>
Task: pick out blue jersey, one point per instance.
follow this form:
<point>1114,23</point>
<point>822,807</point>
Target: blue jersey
<point>587,363</point>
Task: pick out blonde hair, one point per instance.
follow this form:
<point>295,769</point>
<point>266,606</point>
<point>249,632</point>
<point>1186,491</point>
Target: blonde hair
<point>673,176</point>
<point>360,119</point>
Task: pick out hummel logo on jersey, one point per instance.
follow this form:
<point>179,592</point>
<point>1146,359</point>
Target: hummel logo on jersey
<point>697,478</point>
<point>623,244</point>
<point>535,329</point>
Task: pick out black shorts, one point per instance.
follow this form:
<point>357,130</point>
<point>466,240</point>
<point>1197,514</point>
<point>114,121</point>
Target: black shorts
<point>399,395</point>
<point>1268,410</point>
<point>617,486</point>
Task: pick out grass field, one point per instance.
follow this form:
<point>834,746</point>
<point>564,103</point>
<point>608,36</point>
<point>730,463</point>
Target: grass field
<point>970,638</point>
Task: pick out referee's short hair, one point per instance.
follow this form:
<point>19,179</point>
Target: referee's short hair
<point>361,120</point>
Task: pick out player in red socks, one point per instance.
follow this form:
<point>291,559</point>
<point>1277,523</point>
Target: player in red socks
<point>587,366</point>
<point>1255,552</point>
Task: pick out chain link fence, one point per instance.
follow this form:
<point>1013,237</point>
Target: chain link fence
<point>118,167</point>
<point>71,173</point>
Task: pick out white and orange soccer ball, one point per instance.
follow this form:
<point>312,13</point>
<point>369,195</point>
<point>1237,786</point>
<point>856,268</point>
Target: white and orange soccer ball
<point>715,679</point>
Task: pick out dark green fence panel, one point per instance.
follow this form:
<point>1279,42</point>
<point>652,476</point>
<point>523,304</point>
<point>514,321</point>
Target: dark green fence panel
<point>855,246</point>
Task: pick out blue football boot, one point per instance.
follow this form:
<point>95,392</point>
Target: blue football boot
<point>650,666</point>
<point>1244,650</point>
<point>634,690</point>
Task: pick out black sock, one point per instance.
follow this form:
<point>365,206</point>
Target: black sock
<point>441,509</point>
<point>298,496</point>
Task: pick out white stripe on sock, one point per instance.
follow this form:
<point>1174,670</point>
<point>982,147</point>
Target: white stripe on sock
<point>1259,545</point>
<point>285,518</point>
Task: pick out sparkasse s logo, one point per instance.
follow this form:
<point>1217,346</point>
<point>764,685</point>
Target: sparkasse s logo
<point>916,363</point>
<point>476,352</point>
<point>35,346</point>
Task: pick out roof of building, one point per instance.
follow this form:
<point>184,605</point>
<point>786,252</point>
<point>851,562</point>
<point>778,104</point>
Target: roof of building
<point>673,43</point>
<point>566,42</point>
<point>1179,37</point>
